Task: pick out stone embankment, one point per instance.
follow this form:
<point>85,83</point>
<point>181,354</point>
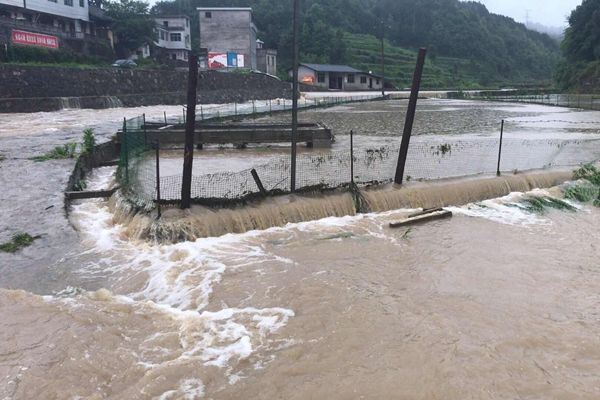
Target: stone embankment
<point>34,88</point>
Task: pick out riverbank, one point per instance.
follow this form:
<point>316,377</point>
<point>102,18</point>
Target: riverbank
<point>42,88</point>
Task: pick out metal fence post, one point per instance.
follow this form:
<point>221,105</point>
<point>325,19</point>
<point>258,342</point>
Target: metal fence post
<point>125,150</point>
<point>500,148</point>
<point>201,114</point>
<point>145,132</point>
<point>165,113</point>
<point>410,116</point>
<point>352,156</point>
<point>296,29</point>
<point>158,178</point>
<point>270,108</point>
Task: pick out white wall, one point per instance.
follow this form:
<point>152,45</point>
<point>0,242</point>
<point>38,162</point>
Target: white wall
<point>59,8</point>
<point>167,43</point>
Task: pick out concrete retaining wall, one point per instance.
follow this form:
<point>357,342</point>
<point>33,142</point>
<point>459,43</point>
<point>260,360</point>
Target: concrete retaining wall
<point>30,89</point>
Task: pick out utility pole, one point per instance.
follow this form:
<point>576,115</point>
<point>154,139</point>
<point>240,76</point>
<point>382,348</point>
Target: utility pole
<point>295,95</point>
<point>190,127</point>
<point>382,59</point>
<point>410,116</point>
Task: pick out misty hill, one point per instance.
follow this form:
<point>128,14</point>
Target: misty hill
<point>467,45</point>
<point>580,70</point>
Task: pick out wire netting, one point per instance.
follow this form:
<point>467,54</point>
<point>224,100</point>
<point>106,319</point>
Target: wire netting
<point>428,159</point>
<point>137,164</point>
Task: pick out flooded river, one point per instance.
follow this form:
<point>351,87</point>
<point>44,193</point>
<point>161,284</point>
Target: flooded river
<point>496,303</point>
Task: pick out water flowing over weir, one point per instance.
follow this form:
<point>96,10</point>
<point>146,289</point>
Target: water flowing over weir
<point>176,225</point>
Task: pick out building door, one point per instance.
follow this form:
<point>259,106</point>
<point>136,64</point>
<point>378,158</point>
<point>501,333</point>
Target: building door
<point>340,82</point>
<point>370,83</point>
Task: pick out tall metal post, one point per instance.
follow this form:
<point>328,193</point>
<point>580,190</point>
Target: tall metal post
<point>410,116</point>
<point>352,156</point>
<point>500,148</point>
<point>190,127</point>
<point>295,94</point>
<point>145,132</point>
<point>382,60</point>
<point>158,179</point>
<point>125,145</point>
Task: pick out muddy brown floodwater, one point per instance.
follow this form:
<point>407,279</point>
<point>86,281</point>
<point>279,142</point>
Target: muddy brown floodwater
<point>496,303</point>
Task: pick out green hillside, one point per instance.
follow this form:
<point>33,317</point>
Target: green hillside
<point>467,45</point>
<point>440,72</point>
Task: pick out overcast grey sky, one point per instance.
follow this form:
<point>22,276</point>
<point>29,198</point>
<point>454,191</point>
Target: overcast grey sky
<point>546,12</point>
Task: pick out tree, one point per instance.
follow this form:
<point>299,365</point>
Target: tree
<point>582,37</point>
<point>133,25</point>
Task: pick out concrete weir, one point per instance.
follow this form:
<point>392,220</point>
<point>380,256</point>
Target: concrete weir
<point>314,135</point>
<point>185,225</point>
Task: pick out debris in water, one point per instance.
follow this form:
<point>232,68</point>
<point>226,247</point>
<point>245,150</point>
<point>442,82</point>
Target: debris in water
<point>424,216</point>
<point>17,242</point>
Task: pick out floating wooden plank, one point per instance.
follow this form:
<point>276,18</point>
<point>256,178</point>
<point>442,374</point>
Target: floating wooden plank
<point>425,211</point>
<point>422,218</point>
<point>90,194</point>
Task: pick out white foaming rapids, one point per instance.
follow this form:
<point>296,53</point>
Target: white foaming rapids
<point>178,280</point>
<point>505,210</point>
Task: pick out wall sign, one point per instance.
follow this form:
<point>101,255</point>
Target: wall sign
<point>34,39</point>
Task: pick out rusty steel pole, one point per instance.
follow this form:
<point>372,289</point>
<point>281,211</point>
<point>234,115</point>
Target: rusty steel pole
<point>190,127</point>
<point>410,116</point>
<point>295,94</point>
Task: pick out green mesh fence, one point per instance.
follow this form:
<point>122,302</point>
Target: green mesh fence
<point>137,164</point>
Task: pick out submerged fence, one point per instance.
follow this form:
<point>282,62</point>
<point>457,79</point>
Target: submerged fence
<point>147,182</point>
<point>583,101</point>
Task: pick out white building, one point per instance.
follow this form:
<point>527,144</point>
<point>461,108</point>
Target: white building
<point>65,18</point>
<point>337,77</point>
<point>173,39</point>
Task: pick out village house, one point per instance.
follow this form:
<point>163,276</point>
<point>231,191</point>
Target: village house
<point>55,23</point>
<point>337,77</point>
<point>228,36</point>
<point>172,41</point>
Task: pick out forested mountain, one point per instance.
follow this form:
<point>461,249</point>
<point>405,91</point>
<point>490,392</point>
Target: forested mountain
<point>465,42</point>
<point>580,69</point>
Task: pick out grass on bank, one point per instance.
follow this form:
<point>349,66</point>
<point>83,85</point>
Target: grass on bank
<point>17,242</point>
<point>63,152</point>
<point>69,150</point>
<point>587,187</point>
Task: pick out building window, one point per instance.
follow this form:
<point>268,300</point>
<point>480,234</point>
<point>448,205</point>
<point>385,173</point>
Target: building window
<point>81,3</point>
<point>321,77</point>
<point>162,35</point>
<point>377,81</point>
<point>208,14</point>
<point>69,3</point>
<point>175,37</point>
<point>166,24</point>
<point>54,1</point>
<point>174,56</point>
<point>350,78</point>
<point>363,80</point>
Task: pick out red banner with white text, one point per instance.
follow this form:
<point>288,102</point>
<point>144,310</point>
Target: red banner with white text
<point>34,39</point>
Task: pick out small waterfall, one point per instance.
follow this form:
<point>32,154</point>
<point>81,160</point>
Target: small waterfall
<point>457,193</point>
<point>68,103</point>
<point>112,102</point>
<point>177,225</point>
